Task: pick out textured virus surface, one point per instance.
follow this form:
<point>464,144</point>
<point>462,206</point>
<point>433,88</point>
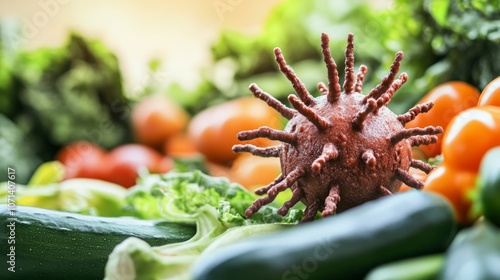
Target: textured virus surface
<point>342,148</point>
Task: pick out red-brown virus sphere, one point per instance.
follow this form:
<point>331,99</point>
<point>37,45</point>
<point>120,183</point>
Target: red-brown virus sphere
<point>342,148</point>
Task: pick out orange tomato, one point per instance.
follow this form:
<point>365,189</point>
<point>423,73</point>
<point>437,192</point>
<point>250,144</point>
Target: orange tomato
<point>179,145</point>
<point>449,99</point>
<point>252,171</point>
<point>469,136</point>
<point>490,94</point>
<point>455,185</point>
<point>157,118</point>
<point>214,130</point>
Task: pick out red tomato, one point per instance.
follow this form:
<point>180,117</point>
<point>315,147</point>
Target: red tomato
<point>214,130</point>
<point>125,161</point>
<point>490,94</point>
<point>82,160</point>
<point>157,118</point>
<point>449,99</point>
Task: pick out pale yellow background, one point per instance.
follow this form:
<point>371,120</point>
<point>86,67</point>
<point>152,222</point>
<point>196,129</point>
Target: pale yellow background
<point>177,32</point>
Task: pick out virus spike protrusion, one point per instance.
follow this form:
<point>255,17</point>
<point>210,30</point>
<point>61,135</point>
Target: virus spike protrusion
<point>422,140</point>
<point>296,196</point>
<point>308,112</point>
<point>331,202</point>
<point>387,81</point>
<point>331,67</point>
<point>407,133</point>
<point>322,88</point>
<point>408,179</point>
<point>269,133</point>
<point>413,112</point>
<point>272,102</point>
<point>370,107</point>
<point>385,98</point>
<point>257,151</point>
<point>349,65</point>
<point>415,163</point>
<point>299,87</point>
<point>291,178</point>
<point>360,78</point>
<point>384,191</point>
<point>263,190</point>
<point>310,211</point>
<point>329,152</point>
<point>369,158</point>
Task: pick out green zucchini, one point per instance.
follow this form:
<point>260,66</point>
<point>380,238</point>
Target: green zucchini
<point>489,185</point>
<point>474,254</point>
<point>49,244</point>
<point>344,246</point>
<point>419,268</point>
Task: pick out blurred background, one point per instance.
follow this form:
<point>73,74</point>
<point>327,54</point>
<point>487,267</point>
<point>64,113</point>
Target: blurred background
<point>73,71</point>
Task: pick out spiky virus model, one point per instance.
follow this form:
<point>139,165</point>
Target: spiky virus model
<point>342,148</point>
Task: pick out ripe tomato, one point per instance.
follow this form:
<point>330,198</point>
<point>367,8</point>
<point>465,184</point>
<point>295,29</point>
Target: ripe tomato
<point>214,130</point>
<point>125,161</point>
<point>82,160</point>
<point>179,145</point>
<point>490,94</point>
<point>469,136</point>
<point>252,171</point>
<point>157,118</point>
<point>455,185</point>
<point>449,99</point>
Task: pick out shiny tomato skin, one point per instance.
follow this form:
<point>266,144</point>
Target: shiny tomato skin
<point>490,94</point>
<point>156,118</point>
<point>82,159</point>
<point>455,186</point>
<point>214,130</point>
<point>469,136</point>
<point>124,162</point>
<point>253,171</point>
<point>449,99</point>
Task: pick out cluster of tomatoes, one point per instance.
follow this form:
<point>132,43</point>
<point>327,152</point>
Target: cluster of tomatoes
<point>163,130</point>
<point>471,122</point>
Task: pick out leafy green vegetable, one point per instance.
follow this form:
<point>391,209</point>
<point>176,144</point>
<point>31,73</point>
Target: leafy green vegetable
<point>214,204</point>
<point>442,40</point>
<point>84,196</point>
<point>16,152</point>
<point>178,196</point>
<point>81,82</point>
<point>135,259</point>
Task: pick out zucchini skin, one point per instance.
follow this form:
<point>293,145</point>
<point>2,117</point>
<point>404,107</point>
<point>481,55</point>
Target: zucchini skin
<point>344,246</point>
<point>474,254</point>
<point>51,244</point>
<point>489,186</point>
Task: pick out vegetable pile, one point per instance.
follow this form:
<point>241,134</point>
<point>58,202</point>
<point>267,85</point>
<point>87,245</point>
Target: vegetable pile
<point>145,185</point>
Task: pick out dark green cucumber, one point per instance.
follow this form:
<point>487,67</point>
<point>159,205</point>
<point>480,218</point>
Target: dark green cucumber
<point>345,246</point>
<point>489,185</point>
<point>474,254</point>
<point>419,268</point>
<point>49,244</point>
